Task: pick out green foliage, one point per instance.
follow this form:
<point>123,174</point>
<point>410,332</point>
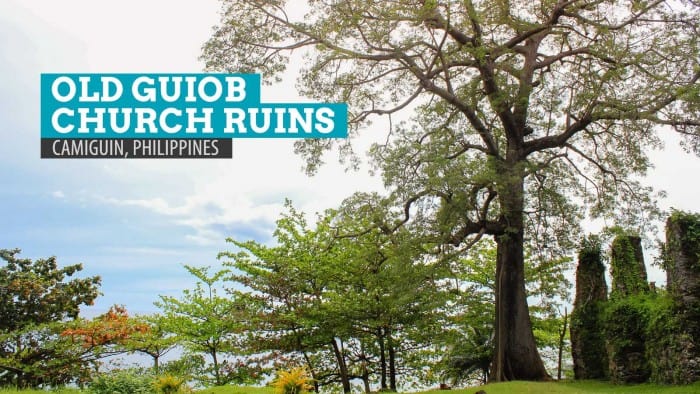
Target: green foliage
<point>129,381</point>
<point>587,332</point>
<point>651,334</point>
<point>517,387</point>
<point>155,341</point>
<point>627,267</point>
<point>689,224</point>
<point>237,390</point>
<point>586,321</point>
<point>590,252</point>
<point>36,299</point>
<point>203,321</point>
<point>579,387</point>
<point>312,289</point>
<point>169,384</point>
<point>57,390</point>
<point>369,290</point>
<point>40,356</point>
<point>373,291</point>
<point>470,358</point>
<point>665,341</point>
<point>471,343</point>
<point>682,261</point>
<point>38,291</point>
<point>625,323</point>
<point>188,367</point>
<point>648,326</point>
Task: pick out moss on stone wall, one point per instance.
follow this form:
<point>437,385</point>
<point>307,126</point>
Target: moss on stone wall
<point>587,337</point>
<point>629,274</point>
<point>625,322</point>
<point>675,329</point>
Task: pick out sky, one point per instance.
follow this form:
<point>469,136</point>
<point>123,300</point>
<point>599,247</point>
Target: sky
<point>136,222</point>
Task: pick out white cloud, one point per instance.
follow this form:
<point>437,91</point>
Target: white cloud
<point>146,251</point>
<point>58,194</point>
<point>205,195</point>
<point>246,191</point>
<point>156,205</point>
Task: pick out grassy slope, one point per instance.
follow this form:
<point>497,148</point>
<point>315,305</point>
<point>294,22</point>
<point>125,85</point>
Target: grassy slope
<point>498,388</point>
<point>579,388</point>
<point>521,388</point>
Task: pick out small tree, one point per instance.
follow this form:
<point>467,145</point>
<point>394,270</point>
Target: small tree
<point>112,333</point>
<point>111,328</point>
<point>205,322</point>
<point>154,342</point>
<point>351,305</point>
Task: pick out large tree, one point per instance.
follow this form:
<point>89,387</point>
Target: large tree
<point>526,114</point>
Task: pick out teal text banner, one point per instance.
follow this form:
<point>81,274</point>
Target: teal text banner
<point>177,106</point>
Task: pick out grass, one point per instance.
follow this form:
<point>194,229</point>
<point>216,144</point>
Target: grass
<point>60,391</point>
<point>588,387</point>
<point>236,390</point>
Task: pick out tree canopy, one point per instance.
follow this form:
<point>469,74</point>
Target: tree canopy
<point>205,322</point>
<point>38,291</point>
<point>37,298</point>
<point>351,304</point>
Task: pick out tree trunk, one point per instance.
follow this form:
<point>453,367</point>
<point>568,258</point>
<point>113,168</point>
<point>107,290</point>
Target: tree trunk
<point>365,377</point>
<point>156,364</point>
<point>382,360</point>
<point>312,371</point>
<point>515,354</point>
<point>365,370</point>
<point>392,361</point>
<point>21,383</point>
<point>562,336</point>
<point>342,366</point>
<point>217,375</point>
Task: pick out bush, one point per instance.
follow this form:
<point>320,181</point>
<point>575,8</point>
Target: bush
<point>190,367</point>
<point>169,384</point>
<point>646,340</point>
<point>294,381</point>
<point>670,350</point>
<point>127,381</point>
<point>625,323</point>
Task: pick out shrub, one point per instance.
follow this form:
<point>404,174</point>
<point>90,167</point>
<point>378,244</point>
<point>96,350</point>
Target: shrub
<point>190,367</point>
<point>625,321</point>
<point>169,384</point>
<point>129,381</point>
<point>294,381</point>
